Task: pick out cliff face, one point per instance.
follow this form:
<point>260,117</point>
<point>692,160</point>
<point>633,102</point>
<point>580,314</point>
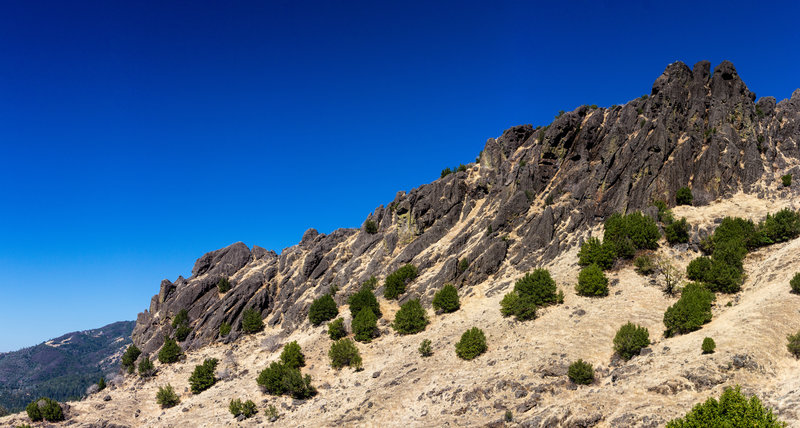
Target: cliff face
<point>533,193</point>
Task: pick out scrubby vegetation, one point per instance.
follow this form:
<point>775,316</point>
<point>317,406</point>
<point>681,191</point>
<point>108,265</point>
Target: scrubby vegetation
<point>397,280</point>
<point>280,379</point>
<point>684,196</point>
<point>370,227</point>
<point>446,299</point>
<point>365,325</point>
<point>592,282</point>
<point>344,352</point>
<point>239,408</point>
<point>292,356</point>
<point>690,312</point>
<point>202,377</point>
<point>411,318</point>
<point>224,285</point>
<point>44,408</point>
<point>533,290</point>
<point>581,372</point>
<point>630,339</point>
<point>364,298</point>
<point>101,385</point>
<point>129,358</point>
<point>166,397</point>
<point>251,321</point>
<point>793,344</point>
<point>795,283</point>
<point>733,409</point>
<point>425,348</point>
<point>786,180</point>
<point>472,344</point>
<point>593,251</point>
<point>677,232</point>
<point>322,309</point>
<point>708,346</point>
<point>644,265</point>
<point>336,329</point>
<point>181,325</point>
<point>146,368</point>
<point>224,328</point>
<point>630,232</point>
<point>170,352</point>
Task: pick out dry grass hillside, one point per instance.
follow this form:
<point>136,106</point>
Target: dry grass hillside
<point>524,369</point>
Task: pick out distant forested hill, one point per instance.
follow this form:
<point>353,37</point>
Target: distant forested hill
<point>61,368</point>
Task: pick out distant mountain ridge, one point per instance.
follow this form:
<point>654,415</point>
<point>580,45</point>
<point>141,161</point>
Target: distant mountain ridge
<point>61,368</point>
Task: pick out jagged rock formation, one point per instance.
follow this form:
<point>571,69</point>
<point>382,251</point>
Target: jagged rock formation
<point>518,206</point>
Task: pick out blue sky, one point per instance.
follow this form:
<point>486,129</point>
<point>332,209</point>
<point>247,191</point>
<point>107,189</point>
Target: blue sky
<point>136,136</point>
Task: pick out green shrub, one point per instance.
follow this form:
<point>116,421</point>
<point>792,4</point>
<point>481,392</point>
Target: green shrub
<point>225,328</point>
<point>146,368</point>
<point>445,172</point>
<point>508,306</point>
<point>708,345</point>
<point>224,285</point>
<point>508,416</point>
<point>644,265</point>
<point>724,278</point>
<point>364,325</point>
<point>795,283</point>
<point>336,329</point>
<point>365,298</point>
<point>539,286</point>
<point>690,312</point>
<point>425,348</point>
<point>279,379</point>
<point>677,232</point>
<point>22,426</point>
<point>739,231</point>
<point>272,413</point>
<point>182,332</point>
<point>781,227</point>
<point>129,358</point>
<point>170,352</point>
<point>411,318</point>
<point>246,409</point>
<point>44,408</point>
<point>592,282</point>
<point>794,344</point>
<point>166,397</point>
<point>581,372</point>
<point>630,339</point>
<point>522,307</point>
<point>698,269</point>
<point>182,317</point>
<point>202,377</point>
<point>664,213</point>
<point>101,385</point>
<point>371,283</point>
<point>732,410</point>
<point>33,411</point>
<point>292,356</point>
<point>446,299</point>
<point>344,352</point>
<point>594,251</point>
<point>322,309</point>
<point>684,196</point>
<point>397,280</point>
<point>251,321</point>
<point>786,180</point>
<point>370,227</point>
<point>626,233</point>
<point>463,264</point>
<point>472,344</point>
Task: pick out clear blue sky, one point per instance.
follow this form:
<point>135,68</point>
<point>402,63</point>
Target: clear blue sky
<point>136,136</point>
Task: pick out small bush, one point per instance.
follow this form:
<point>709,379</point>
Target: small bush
<point>786,180</point>
<point>684,196</point>
<point>626,233</point>
<point>698,269</point>
<point>371,283</point>
<point>397,280</point>
<point>364,325</point>
<point>166,397</point>
<point>463,264</point>
<point>279,379</point>
<point>522,307</point>
<point>581,372</point>
<point>664,213</point>
<point>322,309</point>
<point>170,352</point>
<point>292,356</point>
<point>724,278</point>
<point>594,251</point>
<point>446,299</point>
<point>44,408</point>
<point>445,172</point>
<point>795,283</point>
<point>225,328</point>
<point>781,227</point>
<point>182,332</point>
<point>508,416</point>
<point>690,312</point>
<point>794,344</point>
<point>224,285</point>
<point>370,227</point>
<point>365,298</point>
<point>644,265</point>
<point>246,409</point>
<point>472,344</point>
<point>336,329</point>
<point>732,410</point>
<point>101,385</point>
<point>425,348</point>
<point>411,318</point>
<point>539,286</point>
<point>129,358</point>
<point>630,339</point>
<point>708,345</point>
<point>182,317</point>
<point>202,377</point>
<point>592,282</point>
<point>251,321</point>
<point>677,232</point>
<point>146,368</point>
<point>344,352</point>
